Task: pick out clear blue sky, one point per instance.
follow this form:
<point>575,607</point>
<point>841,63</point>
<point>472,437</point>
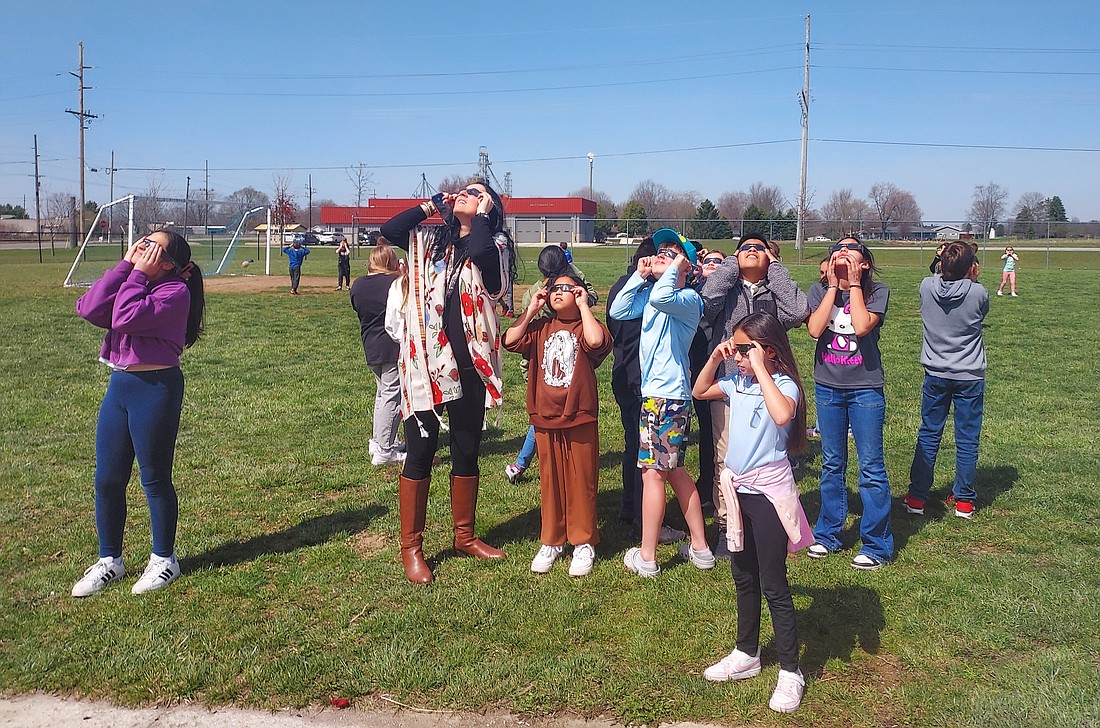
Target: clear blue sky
<point>258,88</point>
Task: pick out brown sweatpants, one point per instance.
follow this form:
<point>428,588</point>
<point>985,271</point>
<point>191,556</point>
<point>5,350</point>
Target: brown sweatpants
<point>569,471</point>
<point>720,416</point>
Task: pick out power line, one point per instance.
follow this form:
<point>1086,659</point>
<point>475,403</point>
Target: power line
<point>962,70</point>
<point>1002,147</point>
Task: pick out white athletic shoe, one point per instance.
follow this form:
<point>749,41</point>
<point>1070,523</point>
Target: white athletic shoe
<point>383,457</point>
<point>734,666</point>
<point>545,558</point>
<point>581,563</point>
<point>99,575</point>
<point>788,692</point>
<point>158,574</point>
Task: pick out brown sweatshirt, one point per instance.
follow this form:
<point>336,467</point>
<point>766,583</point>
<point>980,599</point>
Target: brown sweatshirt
<point>561,390</point>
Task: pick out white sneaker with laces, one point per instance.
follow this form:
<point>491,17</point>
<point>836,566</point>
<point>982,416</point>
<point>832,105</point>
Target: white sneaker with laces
<point>633,560</point>
<point>513,473</point>
<point>581,563</point>
<point>699,559</point>
<point>158,574</point>
<point>545,558</point>
<point>735,666</point>
<point>670,535</point>
<point>99,575</point>
<point>385,457</point>
<point>788,692</point>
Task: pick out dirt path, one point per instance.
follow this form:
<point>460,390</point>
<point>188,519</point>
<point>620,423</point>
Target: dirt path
<point>48,711</point>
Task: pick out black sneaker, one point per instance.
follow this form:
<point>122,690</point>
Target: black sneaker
<point>721,548</point>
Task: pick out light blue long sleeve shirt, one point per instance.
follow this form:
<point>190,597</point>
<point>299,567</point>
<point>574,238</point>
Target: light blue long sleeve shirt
<point>670,317</point>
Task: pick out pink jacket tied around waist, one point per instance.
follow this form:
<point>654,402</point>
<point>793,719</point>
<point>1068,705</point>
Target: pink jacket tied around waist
<point>775,481</point>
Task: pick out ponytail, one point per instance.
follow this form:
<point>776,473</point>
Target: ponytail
<point>180,253</point>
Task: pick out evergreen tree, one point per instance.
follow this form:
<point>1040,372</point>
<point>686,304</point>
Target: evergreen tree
<point>1056,211</point>
<point>756,221</point>
<point>709,225</point>
<point>632,219</point>
<point>15,211</point>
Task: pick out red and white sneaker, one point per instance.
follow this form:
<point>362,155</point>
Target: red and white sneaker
<point>963,509</point>
<point>912,505</point>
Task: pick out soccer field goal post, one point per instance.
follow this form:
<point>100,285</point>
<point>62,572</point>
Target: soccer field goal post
<point>213,249</point>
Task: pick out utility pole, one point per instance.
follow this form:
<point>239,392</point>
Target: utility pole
<point>37,202</point>
<point>804,102</point>
<point>206,209</point>
<point>309,190</point>
<point>186,205</point>
<point>84,118</point>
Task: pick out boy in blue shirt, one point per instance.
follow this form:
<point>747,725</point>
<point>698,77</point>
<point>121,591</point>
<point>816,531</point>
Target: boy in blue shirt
<point>670,312</point>
<point>295,254</point>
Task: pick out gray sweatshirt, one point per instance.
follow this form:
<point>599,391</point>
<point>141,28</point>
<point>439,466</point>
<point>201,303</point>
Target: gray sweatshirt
<point>952,313</point>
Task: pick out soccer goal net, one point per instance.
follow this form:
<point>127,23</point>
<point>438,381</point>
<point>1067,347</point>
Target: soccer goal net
<point>225,243</point>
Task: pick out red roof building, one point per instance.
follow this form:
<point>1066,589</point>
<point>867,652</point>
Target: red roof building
<point>532,220</point>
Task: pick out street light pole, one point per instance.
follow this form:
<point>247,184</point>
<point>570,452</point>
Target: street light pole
<point>591,159</point>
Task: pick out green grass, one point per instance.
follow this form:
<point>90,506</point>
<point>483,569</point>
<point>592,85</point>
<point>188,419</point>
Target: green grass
<point>293,591</point>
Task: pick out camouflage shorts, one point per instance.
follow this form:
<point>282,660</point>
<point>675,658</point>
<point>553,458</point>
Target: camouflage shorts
<point>664,422</point>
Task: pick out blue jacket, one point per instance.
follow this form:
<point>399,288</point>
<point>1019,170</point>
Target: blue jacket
<point>670,317</point>
<point>296,255</point>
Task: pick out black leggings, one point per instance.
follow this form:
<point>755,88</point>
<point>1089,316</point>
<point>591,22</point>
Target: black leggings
<point>465,417</point>
<point>761,568</point>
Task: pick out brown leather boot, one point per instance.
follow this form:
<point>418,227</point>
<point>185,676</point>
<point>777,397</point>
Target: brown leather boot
<point>463,506</point>
<point>413,506</point>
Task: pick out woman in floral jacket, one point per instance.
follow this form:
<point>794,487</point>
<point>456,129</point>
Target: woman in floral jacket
<point>450,353</point>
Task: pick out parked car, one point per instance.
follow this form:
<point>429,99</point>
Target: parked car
<point>329,238</point>
<point>822,239</point>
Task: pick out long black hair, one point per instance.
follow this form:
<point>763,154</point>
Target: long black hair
<point>451,230</point>
<point>766,329</point>
<point>180,253</point>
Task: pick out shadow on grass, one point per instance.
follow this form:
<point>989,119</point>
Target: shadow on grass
<point>311,532</point>
<point>838,620</point>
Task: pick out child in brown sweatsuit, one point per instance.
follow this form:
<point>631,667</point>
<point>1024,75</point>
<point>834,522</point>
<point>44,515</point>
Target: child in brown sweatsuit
<point>564,352</point>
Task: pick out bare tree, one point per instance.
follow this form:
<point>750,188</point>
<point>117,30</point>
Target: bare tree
<point>283,209</point>
<point>59,209</point>
<point>361,181</point>
<point>768,198</point>
<point>653,197</point>
<point>987,205</point>
<point>150,208</point>
<point>682,206</point>
<point>241,201</point>
<point>731,205</point>
<point>894,206</point>
<point>840,212</point>
<point>453,183</point>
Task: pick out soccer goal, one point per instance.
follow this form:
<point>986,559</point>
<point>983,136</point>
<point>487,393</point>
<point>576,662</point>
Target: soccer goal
<point>213,249</point>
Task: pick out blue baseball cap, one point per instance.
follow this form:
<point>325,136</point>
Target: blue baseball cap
<point>665,236</point>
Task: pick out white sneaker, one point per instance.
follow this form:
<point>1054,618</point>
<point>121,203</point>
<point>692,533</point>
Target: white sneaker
<point>383,457</point>
<point>1014,295</point>
<point>734,666</point>
<point>699,559</point>
<point>99,575</point>
<point>372,447</point>
<point>670,535</point>
<point>581,563</point>
<point>817,551</point>
<point>513,473</point>
<point>545,558</point>
<point>633,560</point>
<point>788,692</point>
<point>999,293</point>
<point>158,574</point>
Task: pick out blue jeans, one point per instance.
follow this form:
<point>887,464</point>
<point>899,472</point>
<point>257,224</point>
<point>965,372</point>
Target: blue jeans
<point>937,397</point>
<point>140,416</point>
<point>864,410</point>
<point>528,450</point>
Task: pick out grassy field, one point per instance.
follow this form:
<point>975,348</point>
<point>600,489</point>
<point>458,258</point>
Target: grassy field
<point>293,593</point>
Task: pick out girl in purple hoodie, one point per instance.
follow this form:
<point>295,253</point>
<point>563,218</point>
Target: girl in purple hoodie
<point>151,305</point>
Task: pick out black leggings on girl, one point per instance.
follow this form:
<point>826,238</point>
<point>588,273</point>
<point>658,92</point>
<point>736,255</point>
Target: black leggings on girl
<point>761,568</point>
<point>465,417</point>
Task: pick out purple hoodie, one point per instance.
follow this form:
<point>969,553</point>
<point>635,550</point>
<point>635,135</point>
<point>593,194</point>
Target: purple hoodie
<point>146,322</point>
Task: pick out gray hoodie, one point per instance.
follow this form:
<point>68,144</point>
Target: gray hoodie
<point>952,313</point>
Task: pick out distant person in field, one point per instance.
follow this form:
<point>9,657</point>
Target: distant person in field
<point>295,254</point>
<point>846,318</point>
<point>563,405</point>
<point>751,280</point>
<point>449,359</point>
<point>369,297</point>
<point>953,306</point>
<point>152,306</point>
<point>343,265</point>
<point>1008,274</point>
